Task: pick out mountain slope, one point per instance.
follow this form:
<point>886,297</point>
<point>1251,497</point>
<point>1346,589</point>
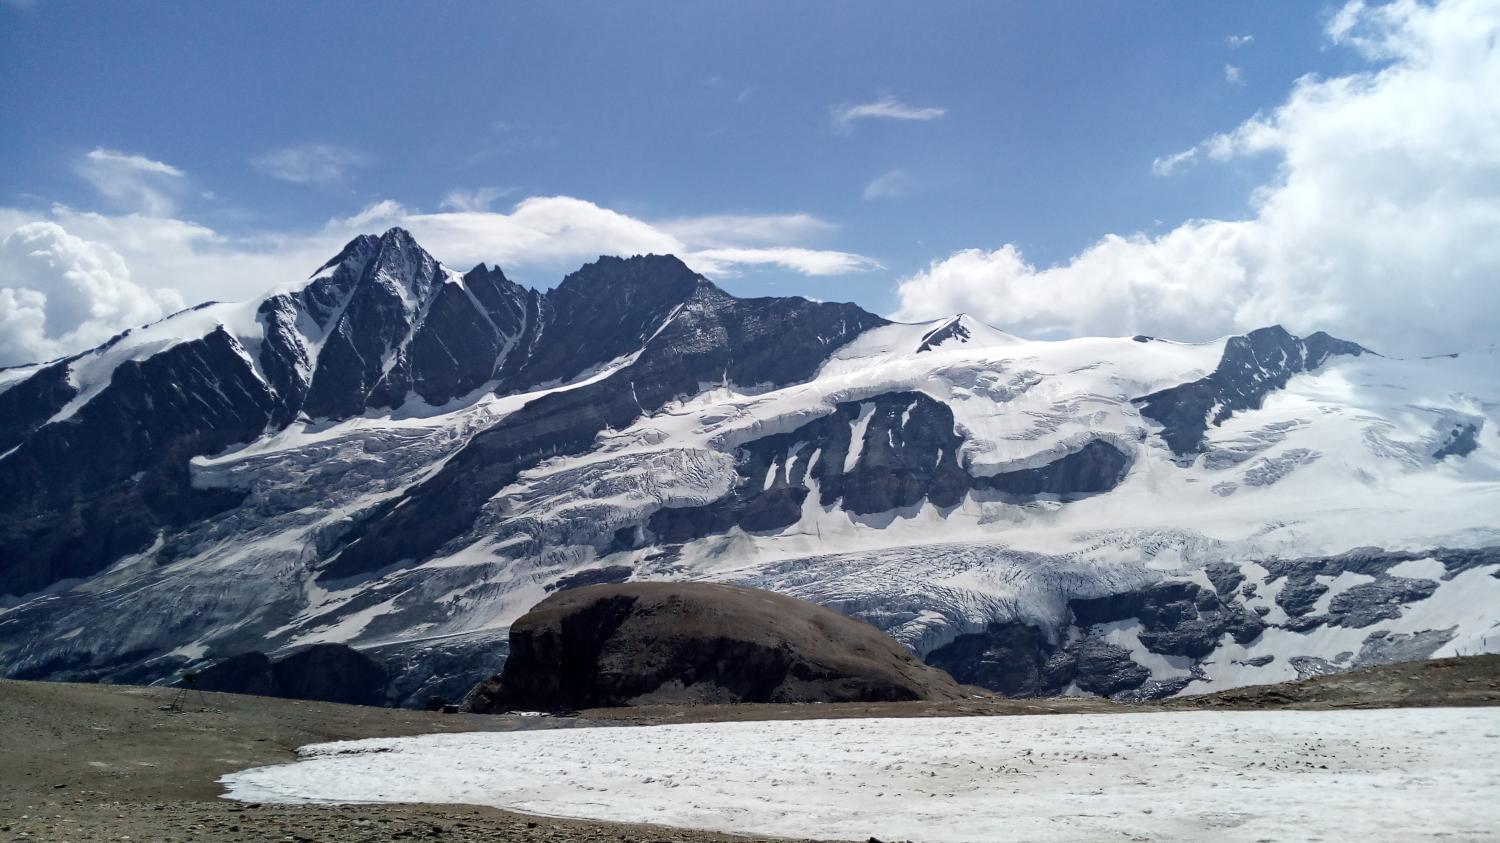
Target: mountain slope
<point>405,459</point>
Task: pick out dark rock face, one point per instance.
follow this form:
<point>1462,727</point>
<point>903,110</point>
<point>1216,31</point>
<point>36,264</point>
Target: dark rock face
<point>323,672</point>
<point>707,336</point>
<point>1013,658</point>
<point>27,405</point>
<point>246,673</point>
<point>1178,618</point>
<point>1097,467</point>
<point>908,452</point>
<point>1460,442</point>
<point>79,494</point>
<point>1225,576</point>
<point>954,329</point>
<point>1388,647</point>
<point>593,576</point>
<point>379,313</point>
<point>1253,366</point>
<point>331,673</point>
<point>640,643</point>
<point>406,329</point>
<point>1367,603</point>
<point>1364,604</point>
<point>1106,669</point>
<point>605,310</point>
<point>467,333</point>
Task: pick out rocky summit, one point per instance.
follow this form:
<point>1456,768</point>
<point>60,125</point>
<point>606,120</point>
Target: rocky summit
<point>645,643</point>
<point>403,459</point>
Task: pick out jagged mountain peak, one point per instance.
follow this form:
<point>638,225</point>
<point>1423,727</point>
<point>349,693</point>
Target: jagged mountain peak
<point>1252,366</point>
<point>961,329</point>
<point>484,270</point>
<point>654,277</point>
<point>359,249</point>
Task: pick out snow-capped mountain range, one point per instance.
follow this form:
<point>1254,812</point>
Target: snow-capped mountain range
<point>404,458</point>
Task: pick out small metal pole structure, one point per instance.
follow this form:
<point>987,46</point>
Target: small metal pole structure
<point>189,686</point>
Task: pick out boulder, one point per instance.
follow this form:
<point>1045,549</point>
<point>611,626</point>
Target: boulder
<point>674,643</point>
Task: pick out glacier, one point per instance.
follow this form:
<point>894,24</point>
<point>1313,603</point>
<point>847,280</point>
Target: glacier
<point>1192,516</point>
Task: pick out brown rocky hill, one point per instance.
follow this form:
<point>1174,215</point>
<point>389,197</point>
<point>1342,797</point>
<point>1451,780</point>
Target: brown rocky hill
<point>670,643</point>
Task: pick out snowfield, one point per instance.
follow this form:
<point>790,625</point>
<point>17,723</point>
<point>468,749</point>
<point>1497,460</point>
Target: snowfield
<point>1337,775</point>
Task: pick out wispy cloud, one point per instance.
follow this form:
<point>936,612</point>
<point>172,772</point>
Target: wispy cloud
<point>885,108</point>
<point>805,261</point>
<point>311,163</point>
<point>1166,165</point>
<point>136,182</point>
<point>888,185</point>
<point>1234,75</point>
<point>731,230</point>
<point>1237,41</point>
<point>478,199</point>
<point>508,137</point>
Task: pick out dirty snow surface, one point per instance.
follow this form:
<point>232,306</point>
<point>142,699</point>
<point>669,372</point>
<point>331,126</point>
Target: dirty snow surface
<point>1335,775</point>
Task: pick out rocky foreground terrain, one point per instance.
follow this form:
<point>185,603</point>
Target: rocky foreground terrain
<point>95,762</point>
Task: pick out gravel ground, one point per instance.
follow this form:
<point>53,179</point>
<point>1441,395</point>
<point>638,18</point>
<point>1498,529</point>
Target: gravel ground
<point>101,763</point>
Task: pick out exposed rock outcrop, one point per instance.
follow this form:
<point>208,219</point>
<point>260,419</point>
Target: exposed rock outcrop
<point>640,643</point>
<point>890,451</point>
<point>1252,366</point>
<point>323,672</point>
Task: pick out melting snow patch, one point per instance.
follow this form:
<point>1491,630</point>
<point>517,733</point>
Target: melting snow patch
<point>1379,775</point>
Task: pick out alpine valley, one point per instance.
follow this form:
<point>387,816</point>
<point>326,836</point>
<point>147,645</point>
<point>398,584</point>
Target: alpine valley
<point>404,459</point>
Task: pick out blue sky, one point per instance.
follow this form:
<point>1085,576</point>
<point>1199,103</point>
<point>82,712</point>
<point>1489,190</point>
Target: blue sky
<point>1029,125</point>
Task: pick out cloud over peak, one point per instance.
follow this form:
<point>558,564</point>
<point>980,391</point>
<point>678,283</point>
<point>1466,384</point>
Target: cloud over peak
<point>68,278</point>
<point>559,232</point>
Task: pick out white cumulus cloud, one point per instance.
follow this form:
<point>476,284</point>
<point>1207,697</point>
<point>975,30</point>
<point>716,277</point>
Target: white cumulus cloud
<point>1380,224</point>
<point>60,293</point>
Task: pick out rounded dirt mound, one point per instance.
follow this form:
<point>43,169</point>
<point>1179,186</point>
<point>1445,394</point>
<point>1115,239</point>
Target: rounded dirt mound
<point>658,642</point>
